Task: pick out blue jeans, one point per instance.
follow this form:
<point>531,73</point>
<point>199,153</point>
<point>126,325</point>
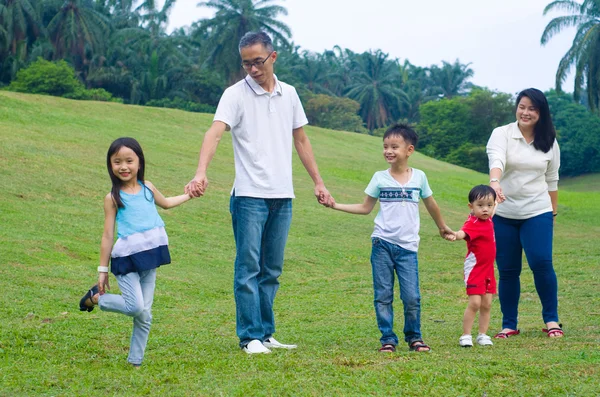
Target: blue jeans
<point>260,229</point>
<point>534,236</point>
<point>137,294</point>
<point>385,259</point>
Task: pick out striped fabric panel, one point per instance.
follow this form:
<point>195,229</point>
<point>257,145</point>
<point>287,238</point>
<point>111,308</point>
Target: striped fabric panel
<point>139,242</point>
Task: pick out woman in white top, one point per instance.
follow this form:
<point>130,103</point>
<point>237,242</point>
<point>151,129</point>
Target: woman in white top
<point>524,160</point>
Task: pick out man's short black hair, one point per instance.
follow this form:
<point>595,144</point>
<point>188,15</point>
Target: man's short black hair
<point>251,38</point>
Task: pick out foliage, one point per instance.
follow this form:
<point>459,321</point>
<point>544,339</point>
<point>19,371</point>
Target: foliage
<point>52,222</point>
<point>584,53</point>
<point>55,78</point>
<point>376,86</point>
<point>444,126</point>
<point>77,31</point>
<point>489,109</point>
<point>451,78</point>
<point>93,94</point>
<point>578,135</point>
<point>178,103</point>
<point>232,20</point>
<point>470,156</point>
<point>122,46</point>
<point>45,77</point>
<point>334,113</point>
<point>456,130</point>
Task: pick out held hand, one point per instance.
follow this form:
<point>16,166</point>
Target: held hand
<point>499,195</point>
<point>331,203</point>
<point>447,234</point>
<point>450,237</point>
<point>103,285</point>
<point>197,186</point>
<point>323,196</point>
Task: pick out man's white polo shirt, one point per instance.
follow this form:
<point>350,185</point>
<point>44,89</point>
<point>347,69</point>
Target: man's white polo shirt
<point>261,127</point>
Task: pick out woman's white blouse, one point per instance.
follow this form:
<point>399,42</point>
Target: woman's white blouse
<point>527,174</point>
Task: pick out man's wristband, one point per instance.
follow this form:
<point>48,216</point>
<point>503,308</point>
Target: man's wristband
<point>103,269</point>
<point>556,213</point>
<point>494,180</point>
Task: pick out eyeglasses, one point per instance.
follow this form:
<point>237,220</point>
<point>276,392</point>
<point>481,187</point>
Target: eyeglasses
<point>258,64</point>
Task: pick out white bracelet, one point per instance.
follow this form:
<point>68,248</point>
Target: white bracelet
<point>494,180</point>
<point>103,269</point>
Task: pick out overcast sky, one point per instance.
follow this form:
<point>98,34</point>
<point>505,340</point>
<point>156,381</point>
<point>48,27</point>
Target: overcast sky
<point>500,38</point>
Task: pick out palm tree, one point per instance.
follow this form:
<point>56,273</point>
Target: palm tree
<point>376,85</point>
<point>78,31</point>
<point>233,19</point>
<point>154,19</point>
<point>313,71</point>
<point>585,50</point>
<point>143,62</point>
<point>451,78</point>
<point>20,22</point>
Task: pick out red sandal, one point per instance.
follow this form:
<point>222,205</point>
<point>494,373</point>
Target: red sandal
<point>506,335</point>
<point>554,332</point>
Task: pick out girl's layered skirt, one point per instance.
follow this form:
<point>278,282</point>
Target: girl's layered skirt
<point>140,251</point>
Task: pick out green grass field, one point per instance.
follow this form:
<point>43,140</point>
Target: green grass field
<point>53,179</point>
<point>583,183</point>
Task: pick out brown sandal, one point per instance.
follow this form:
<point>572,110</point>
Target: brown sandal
<point>387,348</point>
<point>419,346</point>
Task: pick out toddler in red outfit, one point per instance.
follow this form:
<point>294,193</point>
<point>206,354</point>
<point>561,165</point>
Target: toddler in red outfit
<point>478,231</point>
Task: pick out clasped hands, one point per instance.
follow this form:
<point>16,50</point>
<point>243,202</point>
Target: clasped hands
<point>197,187</point>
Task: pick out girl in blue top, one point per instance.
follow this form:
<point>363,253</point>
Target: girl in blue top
<point>141,246</point>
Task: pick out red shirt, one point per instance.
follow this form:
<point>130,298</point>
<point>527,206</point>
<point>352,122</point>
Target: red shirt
<point>480,240</point>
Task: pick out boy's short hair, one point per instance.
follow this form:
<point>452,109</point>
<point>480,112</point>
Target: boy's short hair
<point>405,131</point>
<point>480,192</point>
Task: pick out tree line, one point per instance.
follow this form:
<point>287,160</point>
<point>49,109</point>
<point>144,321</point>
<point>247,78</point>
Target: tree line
<point>121,49</point>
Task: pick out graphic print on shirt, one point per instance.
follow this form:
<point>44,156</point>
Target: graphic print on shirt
<point>403,195</point>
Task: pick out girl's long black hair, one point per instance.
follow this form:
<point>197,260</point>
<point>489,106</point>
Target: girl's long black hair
<point>117,184</point>
<point>544,132</point>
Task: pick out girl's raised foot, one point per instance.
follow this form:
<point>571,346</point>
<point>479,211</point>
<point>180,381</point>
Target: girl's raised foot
<point>87,302</point>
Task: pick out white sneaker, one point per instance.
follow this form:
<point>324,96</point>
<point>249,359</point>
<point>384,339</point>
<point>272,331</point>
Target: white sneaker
<point>255,347</point>
<point>273,344</point>
<point>484,340</point>
<point>466,341</point>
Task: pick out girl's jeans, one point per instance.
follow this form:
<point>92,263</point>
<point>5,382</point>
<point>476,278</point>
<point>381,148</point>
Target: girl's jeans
<point>387,258</point>
<point>260,229</point>
<point>534,236</point>
<point>137,294</point>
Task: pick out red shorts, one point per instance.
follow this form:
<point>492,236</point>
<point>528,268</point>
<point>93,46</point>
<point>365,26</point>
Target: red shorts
<point>481,280</point>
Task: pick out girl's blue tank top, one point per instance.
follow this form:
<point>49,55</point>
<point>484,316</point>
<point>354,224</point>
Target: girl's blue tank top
<point>139,214</point>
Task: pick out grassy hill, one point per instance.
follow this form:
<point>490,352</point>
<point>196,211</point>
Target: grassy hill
<point>583,183</point>
<point>53,178</point>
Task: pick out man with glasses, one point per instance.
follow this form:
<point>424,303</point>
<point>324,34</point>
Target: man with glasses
<point>265,117</point>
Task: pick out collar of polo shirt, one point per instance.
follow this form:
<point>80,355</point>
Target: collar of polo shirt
<point>516,132</point>
<point>258,90</point>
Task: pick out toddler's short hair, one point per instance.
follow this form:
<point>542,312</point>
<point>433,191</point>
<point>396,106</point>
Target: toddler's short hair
<point>405,131</point>
<point>481,191</point>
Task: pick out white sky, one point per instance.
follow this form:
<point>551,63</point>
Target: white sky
<point>500,38</point>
